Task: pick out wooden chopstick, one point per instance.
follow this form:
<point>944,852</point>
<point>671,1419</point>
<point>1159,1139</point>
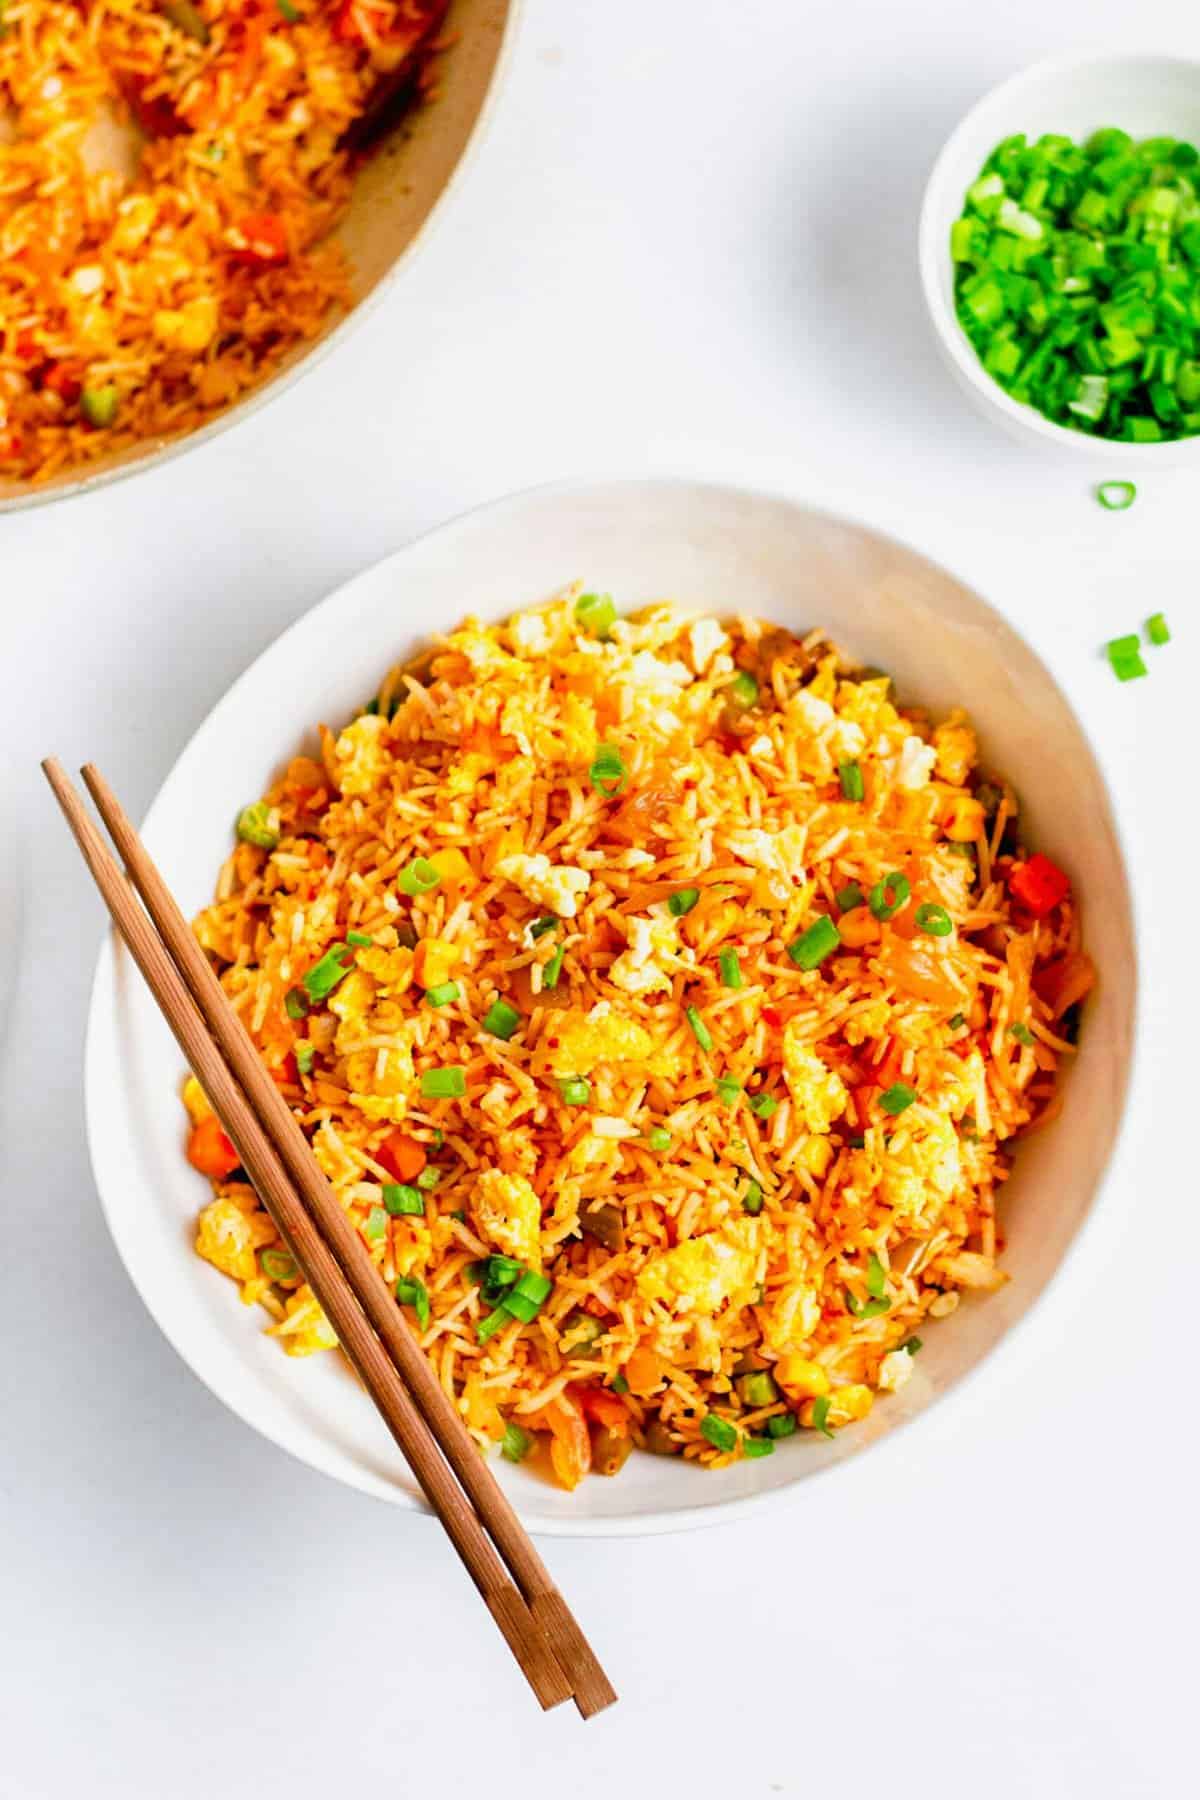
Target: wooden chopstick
<point>591,1687</point>
<point>463,1524</point>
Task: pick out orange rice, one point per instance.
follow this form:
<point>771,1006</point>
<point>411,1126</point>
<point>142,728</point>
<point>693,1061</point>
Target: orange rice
<point>745,1182</point>
<point>136,302</point>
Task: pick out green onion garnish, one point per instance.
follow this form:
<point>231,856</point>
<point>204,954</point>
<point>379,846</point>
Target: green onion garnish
<point>574,1091</point>
<point>1157,629</point>
<point>820,1415</point>
<point>814,945</point>
<point>259,825</point>
<point>553,969</point>
<point>956,1021</point>
<point>619,1384</point>
<point>1125,657</point>
<point>325,975</point>
<point>487,1328</point>
<point>876,1277</point>
<point>515,1444</point>
<point>782,1425</point>
<point>729,1091</point>
<point>291,13</point>
<point>851,776</point>
<point>757,1388</point>
<point>850,896</point>
<point>912,1345</point>
<point>755,1447</point>
<point>934,921</point>
<point>443,1084</point>
<point>596,613</point>
<point>731,969</point>
<point>1116,496</point>
<point>360,940</point>
<point>719,1432</point>
<point>412,1292</point>
<point>305,1054</point>
<point>608,774</point>
<point>295,1003</point>
<point>541,926</point>
<point>682,901</point>
<point>889,895</point>
<point>99,405</point>
<point>428,1179</point>
<point>752,1197</point>
<point>443,993</point>
<point>376,1225</point>
<point>866,1309</point>
<point>418,877</point>
<point>1022,1034</point>
<point>278,1265</point>
<point>743,689</point>
<point>524,1299</point>
<point>764,1106</point>
<point>501,1019</point>
<point>700,1031</point>
<point>897,1099</point>
<point>402,1200</point>
<point>659,1138</point>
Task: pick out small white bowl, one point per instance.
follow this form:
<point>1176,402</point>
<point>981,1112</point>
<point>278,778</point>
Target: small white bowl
<point>1148,96</point>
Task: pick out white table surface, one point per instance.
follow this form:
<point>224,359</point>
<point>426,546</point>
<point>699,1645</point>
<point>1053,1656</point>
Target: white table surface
<point>688,244</point>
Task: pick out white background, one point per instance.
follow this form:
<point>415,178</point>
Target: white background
<point>687,244</point>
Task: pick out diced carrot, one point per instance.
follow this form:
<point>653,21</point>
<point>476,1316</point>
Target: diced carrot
<point>210,1151</point>
<point>401,1155</point>
<point>605,1408</point>
<point>259,241</point>
<point>644,1371</point>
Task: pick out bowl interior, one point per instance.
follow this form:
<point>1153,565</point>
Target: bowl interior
<point>1148,96</point>
<point>707,548</point>
<point>395,192</point>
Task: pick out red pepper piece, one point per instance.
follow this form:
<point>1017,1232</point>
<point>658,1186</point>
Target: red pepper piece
<point>1039,885</point>
<point>263,241</point>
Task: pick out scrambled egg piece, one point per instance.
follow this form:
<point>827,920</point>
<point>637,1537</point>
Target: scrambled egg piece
<point>392,969</point>
<point>895,1369</point>
<point>911,766</point>
<point>195,1100</point>
<point>189,327</point>
<point>464,775</point>
<point>706,640</point>
<point>530,634</point>
<point>227,1237</point>
<point>359,754</point>
<point>656,676</point>
<point>350,1002</point>
<point>585,1039</point>
<point>636,970</point>
<point>871,1022</point>
<point>866,704</point>
<point>701,1274</point>
<point>843,737</point>
<point>820,1095</point>
<point>509,1214</point>
<point>791,1319</point>
<point>956,749</point>
<point>556,887</point>
<point>922,1166</point>
<point>304,1329</point>
<point>779,852</point>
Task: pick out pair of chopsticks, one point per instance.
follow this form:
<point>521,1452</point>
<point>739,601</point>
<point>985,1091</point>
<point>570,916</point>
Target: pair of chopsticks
<point>517,1588</point>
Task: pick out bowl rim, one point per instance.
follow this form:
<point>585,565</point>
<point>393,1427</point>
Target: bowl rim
<point>281,383</point>
<point>817,496</point>
<point>932,252</point>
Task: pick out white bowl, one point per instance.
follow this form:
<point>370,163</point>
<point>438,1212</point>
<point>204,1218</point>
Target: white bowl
<point>708,547</point>
<point>1148,96</point>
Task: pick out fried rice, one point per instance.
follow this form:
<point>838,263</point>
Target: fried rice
<point>663,1000</point>
<point>141,294</point>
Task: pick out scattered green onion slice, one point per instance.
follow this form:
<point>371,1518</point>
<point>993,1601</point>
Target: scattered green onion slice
<point>850,896</point>
<point>443,1084</point>
<point>876,1277</point>
<point>1127,665</point>
<point>752,1197</point>
<point>574,1091</point>
<point>912,1345</point>
<point>376,1225</point>
<point>515,1444</point>
<point>608,774</point>
<point>259,825</point>
<point>659,1138</point>
<point>291,13</point>
<point>719,1432</point>
<point>524,1300</point>
<point>1022,1034</point>
<point>278,1265</point>
<point>487,1328</point>
<point>501,1019</point>
<point>295,1003</point>
<point>764,1106</point>
<point>1157,629</point>
<point>619,1384</point>
<point>443,993</point>
<point>820,1415</point>
<point>729,1091</point>
<point>412,1292</point>
<point>418,877</point>
<point>744,689</point>
<point>898,1098</point>
<point>956,1021</point>
<point>360,940</point>
<point>325,975</point>
<point>757,1388</point>
<point>428,1179</point>
<point>731,969</point>
<point>851,776</point>
<point>553,969</point>
<point>782,1425</point>
<point>541,926</point>
<point>1116,496</point>
<point>402,1200</point>
<point>305,1054</point>
<point>933,920</point>
<point>754,1447</point>
<point>682,901</point>
<point>889,895</point>
<point>99,405</point>
<point>700,1031</point>
<point>596,613</point>
<point>812,946</point>
<point>866,1309</point>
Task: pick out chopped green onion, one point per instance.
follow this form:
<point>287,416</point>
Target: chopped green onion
<point>443,1084</point>
<point>360,940</point>
<point>812,946</point>
<point>295,1003</point>
<point>700,1031</point>
<point>850,896</point>
<point>659,1138</point>
<point>619,1384</point>
<point>752,1197</point>
<point>731,969</point>
<point>764,1106</point>
<point>820,1415</point>
<point>851,776</point>
<point>541,926</point>
<point>515,1444</point>
<point>259,825</point>
<point>757,1388</point>
<point>912,1345</point>
<point>501,1019</point>
<point>291,13</point>
<point>401,1200</point>
<point>782,1425</point>
<point>889,895</point>
<point>1126,659</point>
<point>1116,496</point>
<point>325,975</point>
<point>876,1277</point>
<point>956,1021</point>
<point>898,1098</point>
<point>743,689</point>
<point>596,613</point>
<point>729,1091</point>
<point>498,1272</point>
<point>1022,1034</point>
<point>934,921</point>
<point>418,877</point>
<point>443,993</point>
<point>428,1179</point>
<point>866,1309</point>
<point>682,901</point>
<point>376,1225</point>
<point>574,1091</point>
<point>754,1447</point>
<point>99,405</point>
<point>608,774</point>
<point>277,1265</point>
<point>553,969</point>
<point>1157,629</point>
<point>525,1298</point>
<point>719,1432</point>
<point>305,1054</point>
<point>439,1137</point>
<point>487,1328</point>
<point>412,1292</point>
